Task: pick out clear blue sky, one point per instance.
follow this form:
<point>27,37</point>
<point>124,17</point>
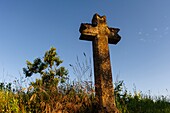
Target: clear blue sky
<point>142,57</point>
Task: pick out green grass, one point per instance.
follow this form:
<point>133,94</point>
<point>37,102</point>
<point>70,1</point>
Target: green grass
<point>140,103</point>
<point>76,99</point>
<point>8,100</point>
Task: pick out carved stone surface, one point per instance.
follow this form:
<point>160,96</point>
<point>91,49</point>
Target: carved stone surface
<point>101,35</point>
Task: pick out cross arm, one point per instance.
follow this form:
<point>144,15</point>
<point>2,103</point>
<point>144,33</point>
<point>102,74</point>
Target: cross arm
<point>114,37</point>
<point>88,32</point>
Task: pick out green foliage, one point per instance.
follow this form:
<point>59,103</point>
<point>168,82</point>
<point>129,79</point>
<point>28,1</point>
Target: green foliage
<point>48,68</point>
<point>5,87</point>
<point>74,98</point>
<point>139,103</point>
<point>8,100</point>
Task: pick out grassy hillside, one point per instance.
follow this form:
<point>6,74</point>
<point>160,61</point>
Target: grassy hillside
<point>75,98</point>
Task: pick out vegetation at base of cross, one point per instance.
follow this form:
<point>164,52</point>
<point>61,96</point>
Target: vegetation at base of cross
<point>53,93</point>
<point>139,102</point>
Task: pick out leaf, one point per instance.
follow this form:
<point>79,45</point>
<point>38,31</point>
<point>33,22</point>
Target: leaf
<point>28,62</point>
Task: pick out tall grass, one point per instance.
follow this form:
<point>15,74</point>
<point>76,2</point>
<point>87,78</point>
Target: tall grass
<point>75,98</point>
<point>8,100</point>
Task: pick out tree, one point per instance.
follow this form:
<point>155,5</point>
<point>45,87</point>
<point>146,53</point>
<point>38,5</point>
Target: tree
<point>48,68</point>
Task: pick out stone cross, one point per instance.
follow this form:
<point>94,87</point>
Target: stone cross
<point>101,35</point>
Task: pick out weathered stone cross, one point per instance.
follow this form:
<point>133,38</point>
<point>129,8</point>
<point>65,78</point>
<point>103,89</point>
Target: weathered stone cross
<point>101,35</point>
